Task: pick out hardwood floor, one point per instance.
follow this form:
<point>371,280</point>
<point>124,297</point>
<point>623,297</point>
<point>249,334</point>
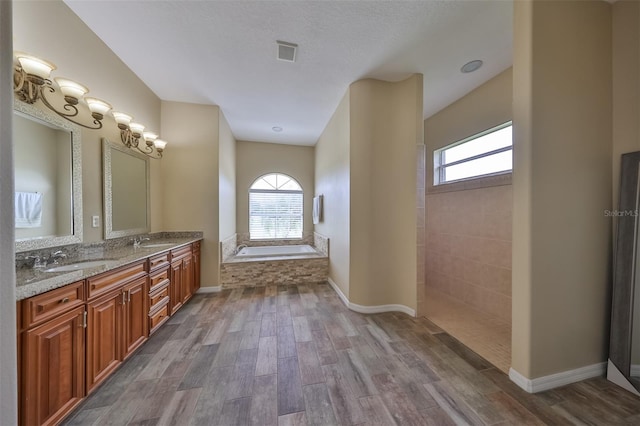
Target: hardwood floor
<point>294,355</point>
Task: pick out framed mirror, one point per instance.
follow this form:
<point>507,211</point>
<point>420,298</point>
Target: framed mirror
<point>624,349</point>
<point>126,191</point>
<point>48,179</point>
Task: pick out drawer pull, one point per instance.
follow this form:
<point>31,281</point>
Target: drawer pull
<point>65,300</point>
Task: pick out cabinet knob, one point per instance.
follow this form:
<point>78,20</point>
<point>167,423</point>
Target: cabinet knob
<point>65,300</point>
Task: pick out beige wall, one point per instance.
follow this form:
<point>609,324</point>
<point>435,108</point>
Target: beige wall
<point>227,180</point>
<point>255,159</point>
<point>481,109</point>
<point>469,230</point>
<point>385,127</point>
<point>333,182</point>
<point>191,178</point>
<point>366,169</point>
<point>626,85</point>
<point>80,55</point>
<point>626,109</point>
<point>561,185</point>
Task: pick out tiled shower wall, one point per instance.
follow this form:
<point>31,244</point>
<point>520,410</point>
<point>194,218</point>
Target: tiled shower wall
<point>468,250</point>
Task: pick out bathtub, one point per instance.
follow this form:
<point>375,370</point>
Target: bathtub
<point>266,251</point>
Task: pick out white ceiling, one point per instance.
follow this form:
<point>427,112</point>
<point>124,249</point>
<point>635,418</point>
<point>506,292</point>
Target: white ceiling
<point>224,53</point>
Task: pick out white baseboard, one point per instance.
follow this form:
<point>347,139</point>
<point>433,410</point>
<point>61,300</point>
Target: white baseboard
<point>337,289</point>
<point>206,290</point>
<point>370,309</point>
<point>556,380</point>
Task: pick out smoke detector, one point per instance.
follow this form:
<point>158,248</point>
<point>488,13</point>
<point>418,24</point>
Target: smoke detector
<point>286,51</point>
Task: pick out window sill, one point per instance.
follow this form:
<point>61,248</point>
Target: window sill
<point>498,179</point>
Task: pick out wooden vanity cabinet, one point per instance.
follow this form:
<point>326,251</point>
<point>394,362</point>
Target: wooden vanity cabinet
<point>181,271</point>
<point>188,289</point>
<point>135,325</point>
<point>159,288</point>
<point>103,343</point>
<point>72,338</point>
<point>51,351</point>
<point>117,319</point>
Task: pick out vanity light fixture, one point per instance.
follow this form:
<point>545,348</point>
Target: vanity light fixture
<point>131,133</point>
<point>31,83</point>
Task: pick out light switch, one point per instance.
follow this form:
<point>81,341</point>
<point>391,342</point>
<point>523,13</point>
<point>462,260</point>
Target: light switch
<point>95,221</point>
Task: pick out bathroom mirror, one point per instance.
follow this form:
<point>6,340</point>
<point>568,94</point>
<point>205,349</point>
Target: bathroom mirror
<point>48,179</point>
<point>624,351</point>
<point>126,191</point>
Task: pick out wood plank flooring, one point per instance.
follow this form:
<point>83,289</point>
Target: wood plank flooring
<point>294,355</point>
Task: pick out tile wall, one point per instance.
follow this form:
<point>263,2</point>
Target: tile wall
<point>468,255</point>
<point>268,272</point>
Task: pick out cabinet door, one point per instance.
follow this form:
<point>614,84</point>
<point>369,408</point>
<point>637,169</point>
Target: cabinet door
<point>175,294</point>
<point>104,319</point>
<point>135,324</point>
<point>53,376</point>
<point>187,278</point>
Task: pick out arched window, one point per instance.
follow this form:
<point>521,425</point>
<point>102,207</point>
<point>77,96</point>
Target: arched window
<point>275,208</point>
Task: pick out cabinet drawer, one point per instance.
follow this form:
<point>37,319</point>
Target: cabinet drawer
<point>159,261</point>
<point>158,279</point>
<point>158,318</point>
<point>180,253</point>
<point>159,297</point>
<point>103,283</point>
<point>44,306</point>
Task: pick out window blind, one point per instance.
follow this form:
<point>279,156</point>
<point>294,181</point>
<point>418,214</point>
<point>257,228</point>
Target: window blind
<point>275,214</point>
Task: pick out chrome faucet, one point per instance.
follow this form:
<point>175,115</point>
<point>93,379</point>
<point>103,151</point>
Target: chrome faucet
<point>38,262</point>
<point>138,240</point>
<point>43,261</point>
<point>57,255</point>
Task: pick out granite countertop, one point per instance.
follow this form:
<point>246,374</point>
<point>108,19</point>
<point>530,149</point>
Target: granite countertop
<point>31,282</point>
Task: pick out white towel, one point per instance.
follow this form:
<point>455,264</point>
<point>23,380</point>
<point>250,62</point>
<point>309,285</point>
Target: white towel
<point>28,209</point>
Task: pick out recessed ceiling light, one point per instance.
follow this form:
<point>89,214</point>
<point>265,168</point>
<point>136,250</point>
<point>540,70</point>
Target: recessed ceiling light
<point>276,129</point>
<point>471,66</point>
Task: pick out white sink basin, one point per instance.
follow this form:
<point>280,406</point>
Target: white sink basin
<point>81,265</point>
<point>157,245</point>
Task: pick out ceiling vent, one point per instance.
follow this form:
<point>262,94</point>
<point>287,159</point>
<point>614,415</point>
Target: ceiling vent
<point>286,51</point>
